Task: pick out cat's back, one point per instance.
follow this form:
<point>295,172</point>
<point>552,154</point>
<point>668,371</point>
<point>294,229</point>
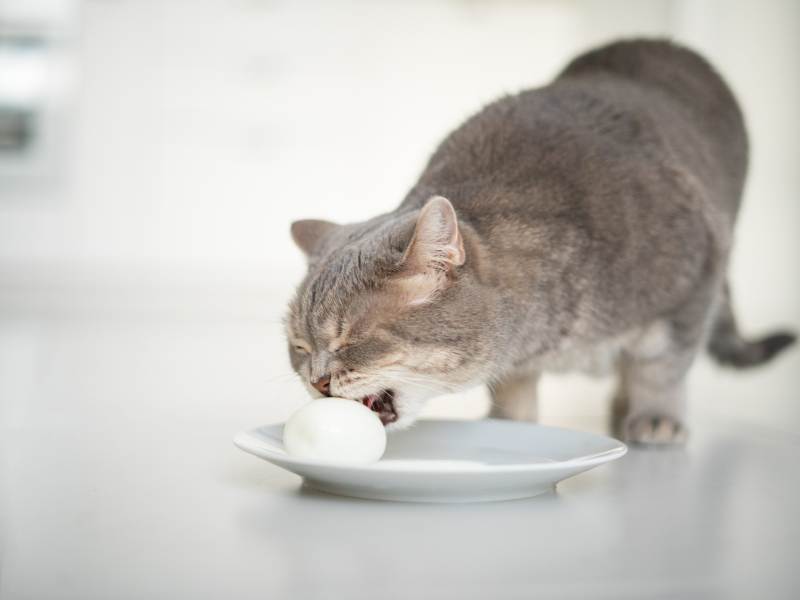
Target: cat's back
<point>613,115</point>
<point>685,80</point>
<point>623,176</point>
<point>682,74</point>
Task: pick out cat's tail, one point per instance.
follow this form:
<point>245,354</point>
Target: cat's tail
<point>728,347</point>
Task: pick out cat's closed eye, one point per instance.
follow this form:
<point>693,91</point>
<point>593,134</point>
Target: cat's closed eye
<point>301,348</point>
<point>340,347</point>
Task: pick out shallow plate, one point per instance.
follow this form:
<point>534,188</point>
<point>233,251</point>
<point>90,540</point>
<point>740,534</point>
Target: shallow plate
<point>450,461</point>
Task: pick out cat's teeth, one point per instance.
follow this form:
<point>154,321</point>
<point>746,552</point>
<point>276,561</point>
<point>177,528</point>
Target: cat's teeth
<point>382,405</point>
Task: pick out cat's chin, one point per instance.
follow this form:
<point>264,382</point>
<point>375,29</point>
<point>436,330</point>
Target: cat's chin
<point>395,410</point>
<point>407,408</point>
<point>402,422</point>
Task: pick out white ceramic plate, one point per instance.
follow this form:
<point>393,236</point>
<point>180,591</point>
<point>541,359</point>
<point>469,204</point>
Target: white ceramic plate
<point>450,461</point>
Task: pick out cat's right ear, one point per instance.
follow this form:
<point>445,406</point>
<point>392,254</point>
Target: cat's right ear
<point>308,234</point>
<point>435,251</point>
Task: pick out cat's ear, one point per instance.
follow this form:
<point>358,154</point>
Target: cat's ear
<point>435,250</point>
<point>308,233</point>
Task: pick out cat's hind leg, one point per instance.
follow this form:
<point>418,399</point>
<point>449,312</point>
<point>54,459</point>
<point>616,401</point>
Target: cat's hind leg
<point>650,405</point>
<point>515,397</point>
<point>620,403</point>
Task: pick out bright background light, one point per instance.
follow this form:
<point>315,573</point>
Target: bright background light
<point>197,130</point>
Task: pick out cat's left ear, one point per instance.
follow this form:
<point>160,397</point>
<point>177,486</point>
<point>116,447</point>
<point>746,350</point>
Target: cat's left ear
<point>435,250</point>
<point>308,234</point>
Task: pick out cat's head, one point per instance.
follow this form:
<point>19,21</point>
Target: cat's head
<point>390,312</point>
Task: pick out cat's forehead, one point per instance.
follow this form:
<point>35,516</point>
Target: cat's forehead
<point>326,308</point>
<point>344,291</point>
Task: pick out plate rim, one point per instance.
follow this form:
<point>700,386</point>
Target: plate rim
<point>248,441</point>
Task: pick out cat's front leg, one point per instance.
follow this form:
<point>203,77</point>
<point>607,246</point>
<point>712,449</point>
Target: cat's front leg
<point>650,407</point>
<point>515,397</point>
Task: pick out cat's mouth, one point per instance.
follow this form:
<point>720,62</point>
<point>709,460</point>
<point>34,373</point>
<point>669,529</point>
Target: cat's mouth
<point>381,403</point>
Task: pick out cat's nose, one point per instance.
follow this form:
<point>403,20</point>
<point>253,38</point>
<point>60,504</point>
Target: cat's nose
<point>323,385</point>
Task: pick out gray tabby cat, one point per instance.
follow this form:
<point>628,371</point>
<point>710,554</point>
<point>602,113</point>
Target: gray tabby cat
<point>583,225</point>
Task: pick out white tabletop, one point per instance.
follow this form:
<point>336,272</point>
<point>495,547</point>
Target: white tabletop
<point>119,480</point>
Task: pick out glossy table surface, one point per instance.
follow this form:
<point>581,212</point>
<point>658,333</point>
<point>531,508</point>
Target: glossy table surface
<point>120,480</point>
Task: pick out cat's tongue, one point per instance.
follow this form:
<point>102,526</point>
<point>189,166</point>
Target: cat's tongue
<point>382,404</point>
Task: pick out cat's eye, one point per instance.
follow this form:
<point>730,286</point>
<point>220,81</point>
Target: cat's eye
<point>339,348</point>
<point>301,349</point>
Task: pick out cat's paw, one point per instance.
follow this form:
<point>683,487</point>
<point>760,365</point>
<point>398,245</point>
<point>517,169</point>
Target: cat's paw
<point>654,429</point>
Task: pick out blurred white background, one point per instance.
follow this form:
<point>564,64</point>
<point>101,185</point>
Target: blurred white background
<point>146,220</point>
<point>152,156</point>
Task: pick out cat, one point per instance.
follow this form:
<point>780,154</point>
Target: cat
<point>582,225</point>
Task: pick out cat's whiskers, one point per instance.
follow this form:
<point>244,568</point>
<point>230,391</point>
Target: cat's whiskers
<point>419,381</point>
<point>282,377</point>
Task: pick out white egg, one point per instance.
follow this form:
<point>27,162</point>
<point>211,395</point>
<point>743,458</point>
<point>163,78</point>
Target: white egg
<point>335,430</point>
